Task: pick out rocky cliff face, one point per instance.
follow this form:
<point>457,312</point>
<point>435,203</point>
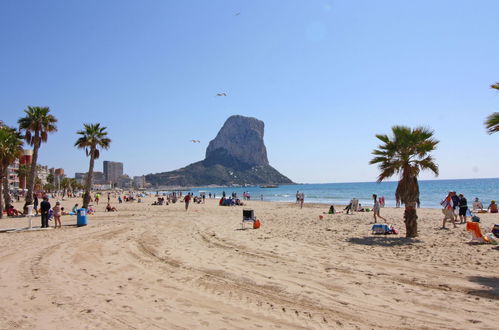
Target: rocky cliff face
<point>237,155</point>
<point>239,144</point>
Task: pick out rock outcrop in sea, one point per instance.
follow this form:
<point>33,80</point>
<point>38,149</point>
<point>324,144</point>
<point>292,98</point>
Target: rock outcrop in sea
<point>237,156</point>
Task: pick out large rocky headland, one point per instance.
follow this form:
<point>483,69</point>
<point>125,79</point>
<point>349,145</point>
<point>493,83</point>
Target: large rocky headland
<point>236,156</point>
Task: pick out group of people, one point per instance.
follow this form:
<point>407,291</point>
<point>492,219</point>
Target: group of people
<point>455,206</point>
<point>300,198</point>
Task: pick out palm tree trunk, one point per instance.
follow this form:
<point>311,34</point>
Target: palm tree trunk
<point>88,183</point>
<point>411,220</point>
<point>1,188</point>
<point>5,184</point>
<point>32,173</point>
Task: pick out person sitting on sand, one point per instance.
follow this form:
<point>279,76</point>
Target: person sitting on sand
<point>477,204</point>
<point>492,207</point>
<point>110,208</point>
<point>75,209</point>
<point>331,210</point>
<point>64,212</point>
<point>11,211</point>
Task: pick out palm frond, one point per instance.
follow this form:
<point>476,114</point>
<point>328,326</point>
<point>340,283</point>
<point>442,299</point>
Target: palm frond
<point>492,123</point>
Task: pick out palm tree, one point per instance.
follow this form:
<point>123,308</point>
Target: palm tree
<point>492,121</point>
<point>92,138</point>
<point>37,124</point>
<point>65,185</point>
<point>10,149</point>
<point>406,154</point>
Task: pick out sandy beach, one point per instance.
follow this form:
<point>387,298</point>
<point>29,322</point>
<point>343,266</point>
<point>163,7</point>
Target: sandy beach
<point>160,267</point>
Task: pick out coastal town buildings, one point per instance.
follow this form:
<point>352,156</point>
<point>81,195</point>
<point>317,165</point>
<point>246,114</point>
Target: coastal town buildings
<point>112,171</point>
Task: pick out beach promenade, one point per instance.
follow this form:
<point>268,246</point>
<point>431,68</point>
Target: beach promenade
<point>160,267</point>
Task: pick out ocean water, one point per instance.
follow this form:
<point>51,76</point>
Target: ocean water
<point>431,191</point>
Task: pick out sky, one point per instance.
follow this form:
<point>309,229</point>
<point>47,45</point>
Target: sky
<point>324,76</point>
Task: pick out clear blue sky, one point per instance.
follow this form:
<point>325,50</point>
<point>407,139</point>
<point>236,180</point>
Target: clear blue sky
<point>324,76</point>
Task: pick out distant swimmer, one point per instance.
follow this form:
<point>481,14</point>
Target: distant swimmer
<point>221,94</point>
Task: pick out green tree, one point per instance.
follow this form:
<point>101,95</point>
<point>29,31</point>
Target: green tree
<point>92,138</point>
<point>23,171</point>
<point>50,178</point>
<point>10,150</point>
<point>492,121</point>
<point>48,187</point>
<point>36,125</point>
<point>406,153</point>
<point>65,185</point>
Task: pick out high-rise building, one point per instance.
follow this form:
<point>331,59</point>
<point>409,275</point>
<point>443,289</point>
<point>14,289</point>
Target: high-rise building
<point>112,171</point>
<point>139,182</point>
<point>97,178</point>
<point>12,177</point>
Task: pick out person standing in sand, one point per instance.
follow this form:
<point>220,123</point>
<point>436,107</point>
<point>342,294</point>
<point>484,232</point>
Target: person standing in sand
<point>57,214</point>
<point>376,209</point>
<point>448,210</point>
<point>302,199</point>
<point>463,208</point>
<point>187,199</point>
<point>44,210</point>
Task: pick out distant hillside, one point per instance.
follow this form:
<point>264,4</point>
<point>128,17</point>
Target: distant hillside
<point>237,155</point>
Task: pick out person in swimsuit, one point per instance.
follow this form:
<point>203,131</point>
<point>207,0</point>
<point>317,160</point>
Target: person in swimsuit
<point>376,209</point>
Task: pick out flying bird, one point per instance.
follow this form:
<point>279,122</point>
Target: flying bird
<point>237,14</point>
<point>195,141</point>
<point>221,94</point>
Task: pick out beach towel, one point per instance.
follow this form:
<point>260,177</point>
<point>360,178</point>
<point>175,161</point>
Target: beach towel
<point>383,229</point>
<point>491,238</point>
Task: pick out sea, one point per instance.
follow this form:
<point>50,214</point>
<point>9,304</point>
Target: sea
<point>431,191</point>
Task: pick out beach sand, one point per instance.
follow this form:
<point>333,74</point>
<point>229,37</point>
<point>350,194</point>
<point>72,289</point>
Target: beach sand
<point>159,267</point>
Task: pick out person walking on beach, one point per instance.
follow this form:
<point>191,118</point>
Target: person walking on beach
<point>302,199</point>
<point>57,214</point>
<point>448,210</point>
<point>376,208</point>
<point>463,208</point>
<point>187,199</point>
<point>455,204</point>
<point>297,196</point>
<point>44,210</point>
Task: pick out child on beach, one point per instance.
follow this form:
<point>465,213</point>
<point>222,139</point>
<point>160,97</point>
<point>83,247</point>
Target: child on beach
<point>57,214</point>
<point>376,208</point>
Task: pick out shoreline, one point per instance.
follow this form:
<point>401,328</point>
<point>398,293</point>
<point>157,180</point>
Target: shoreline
<point>164,267</point>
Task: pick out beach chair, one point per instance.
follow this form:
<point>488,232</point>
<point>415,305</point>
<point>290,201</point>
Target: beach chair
<point>476,233</point>
<point>248,216</point>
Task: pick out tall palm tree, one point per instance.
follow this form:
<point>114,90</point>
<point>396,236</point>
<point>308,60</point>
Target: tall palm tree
<point>10,149</point>
<point>37,124</point>
<point>92,138</point>
<point>406,153</point>
<point>492,121</point>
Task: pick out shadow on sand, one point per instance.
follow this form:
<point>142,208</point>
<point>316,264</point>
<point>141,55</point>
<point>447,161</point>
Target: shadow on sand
<point>383,240</point>
<point>491,282</point>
